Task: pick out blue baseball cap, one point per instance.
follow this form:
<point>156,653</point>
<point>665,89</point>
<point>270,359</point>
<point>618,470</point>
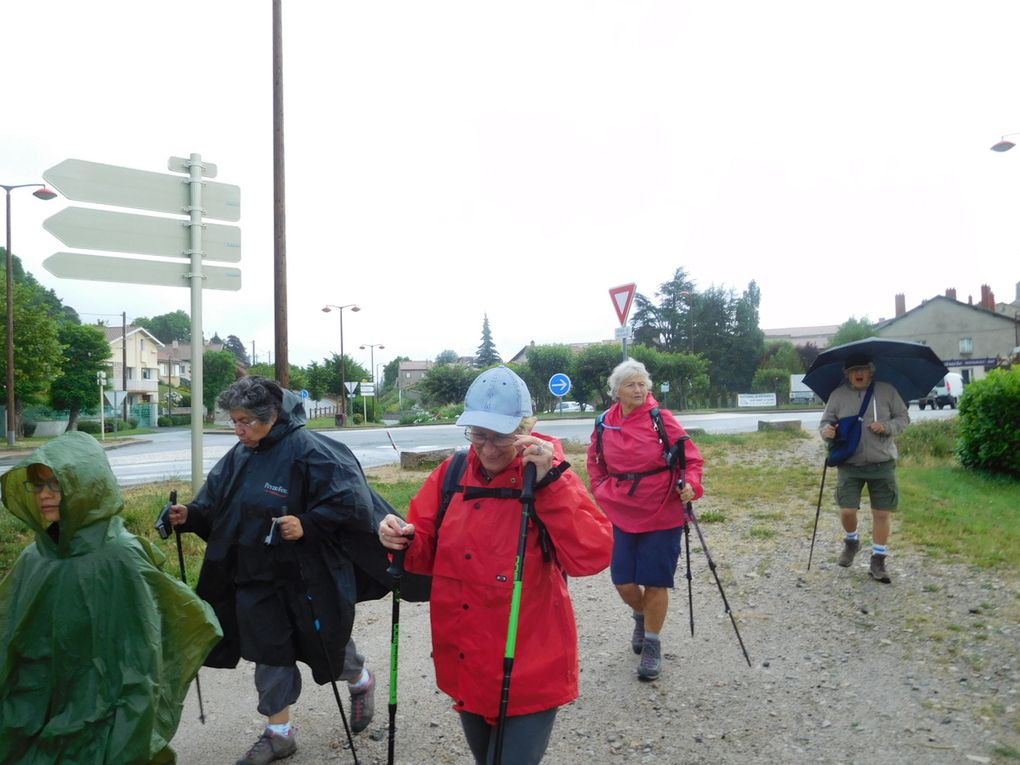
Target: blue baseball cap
<point>497,400</point>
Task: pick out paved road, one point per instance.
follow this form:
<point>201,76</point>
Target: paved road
<point>167,455</point>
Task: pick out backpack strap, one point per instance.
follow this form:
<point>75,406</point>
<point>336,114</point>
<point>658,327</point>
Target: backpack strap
<point>451,484</point>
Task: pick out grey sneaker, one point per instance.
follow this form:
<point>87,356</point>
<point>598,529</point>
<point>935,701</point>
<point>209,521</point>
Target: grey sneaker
<point>850,548</point>
<point>651,660</point>
<point>363,705</point>
<point>269,747</point>
<point>877,569</point>
<point>637,638</point>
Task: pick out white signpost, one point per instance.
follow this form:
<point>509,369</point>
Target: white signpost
<point>188,237</point>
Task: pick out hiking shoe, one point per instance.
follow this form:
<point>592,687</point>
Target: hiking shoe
<point>269,747</point>
<point>363,704</point>
<point>850,548</point>
<point>877,569</point>
<point>651,660</point>
<point>637,638</point>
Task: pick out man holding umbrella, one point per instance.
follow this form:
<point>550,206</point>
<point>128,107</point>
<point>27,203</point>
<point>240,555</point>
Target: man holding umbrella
<point>873,462</point>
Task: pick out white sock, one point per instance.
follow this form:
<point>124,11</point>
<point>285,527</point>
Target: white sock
<point>651,635</point>
<point>279,729</point>
<point>361,681</point>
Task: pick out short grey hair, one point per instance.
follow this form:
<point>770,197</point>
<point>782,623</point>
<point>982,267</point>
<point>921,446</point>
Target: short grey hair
<point>624,371</point>
<point>260,397</point>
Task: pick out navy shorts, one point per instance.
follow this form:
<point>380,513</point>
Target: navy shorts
<point>647,558</point>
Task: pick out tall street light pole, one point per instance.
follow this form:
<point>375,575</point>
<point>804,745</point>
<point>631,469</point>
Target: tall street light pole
<point>372,347</point>
<point>42,193</point>
<point>342,401</point>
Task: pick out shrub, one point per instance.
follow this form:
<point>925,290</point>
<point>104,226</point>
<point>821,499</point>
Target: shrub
<point>934,439</point>
<point>990,423</point>
<point>88,426</point>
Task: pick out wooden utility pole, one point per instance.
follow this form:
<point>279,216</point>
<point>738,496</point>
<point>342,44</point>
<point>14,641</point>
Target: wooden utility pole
<point>279,205</point>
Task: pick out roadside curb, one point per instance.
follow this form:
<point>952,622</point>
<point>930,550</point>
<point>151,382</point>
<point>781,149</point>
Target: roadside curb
<point>13,457</point>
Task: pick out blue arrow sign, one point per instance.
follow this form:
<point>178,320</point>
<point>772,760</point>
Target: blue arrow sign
<point>559,384</point>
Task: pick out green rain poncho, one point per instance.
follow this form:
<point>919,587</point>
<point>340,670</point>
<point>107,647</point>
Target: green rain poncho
<point>97,643</point>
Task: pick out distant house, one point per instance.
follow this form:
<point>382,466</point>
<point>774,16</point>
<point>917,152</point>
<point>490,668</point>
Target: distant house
<point>175,362</point>
<point>970,339</point>
<point>819,336</point>
<point>134,353</point>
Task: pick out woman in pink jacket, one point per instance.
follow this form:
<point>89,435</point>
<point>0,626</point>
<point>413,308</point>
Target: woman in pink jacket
<point>640,491</point>
<point>470,551</point>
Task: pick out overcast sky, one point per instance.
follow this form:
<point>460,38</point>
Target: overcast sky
<point>447,160</point>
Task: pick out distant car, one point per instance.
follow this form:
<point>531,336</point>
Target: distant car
<point>567,406</point>
<point>946,393</point>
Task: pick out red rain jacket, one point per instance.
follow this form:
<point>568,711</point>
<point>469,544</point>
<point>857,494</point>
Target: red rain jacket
<point>631,445</point>
<point>473,571</point>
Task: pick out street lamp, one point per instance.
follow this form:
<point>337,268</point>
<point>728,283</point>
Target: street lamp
<point>45,194</point>
<point>373,346</point>
<point>1004,145</point>
<point>342,402</point>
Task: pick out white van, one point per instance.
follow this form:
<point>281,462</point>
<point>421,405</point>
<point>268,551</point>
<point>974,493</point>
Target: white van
<point>946,393</point>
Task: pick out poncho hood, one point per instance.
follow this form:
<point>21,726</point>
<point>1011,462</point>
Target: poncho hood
<point>89,493</point>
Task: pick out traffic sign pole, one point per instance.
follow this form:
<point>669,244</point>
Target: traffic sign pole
<point>623,297</point>
<point>197,382</point>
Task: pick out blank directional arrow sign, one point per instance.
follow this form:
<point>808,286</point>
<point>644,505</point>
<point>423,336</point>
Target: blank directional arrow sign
<point>84,181</point>
<point>94,229</point>
<point>99,268</point>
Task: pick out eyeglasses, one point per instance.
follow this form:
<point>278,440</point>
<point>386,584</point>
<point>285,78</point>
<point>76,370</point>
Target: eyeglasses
<point>51,483</point>
<point>246,424</point>
<point>498,440</point>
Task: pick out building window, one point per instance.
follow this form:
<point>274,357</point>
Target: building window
<point>966,346</point>
<point>146,374</point>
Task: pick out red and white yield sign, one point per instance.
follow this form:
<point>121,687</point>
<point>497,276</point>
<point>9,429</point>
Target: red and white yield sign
<point>622,297</point>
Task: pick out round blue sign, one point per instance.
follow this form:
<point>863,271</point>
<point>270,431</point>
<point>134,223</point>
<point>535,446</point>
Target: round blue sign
<point>559,384</point>
<point>304,393</point>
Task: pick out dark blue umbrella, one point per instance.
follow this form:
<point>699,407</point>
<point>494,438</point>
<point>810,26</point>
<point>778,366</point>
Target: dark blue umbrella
<point>912,368</point>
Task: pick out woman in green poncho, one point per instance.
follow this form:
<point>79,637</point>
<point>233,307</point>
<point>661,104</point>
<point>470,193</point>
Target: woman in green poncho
<point>97,643</point>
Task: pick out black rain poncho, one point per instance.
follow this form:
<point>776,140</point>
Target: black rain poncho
<point>260,593</point>
<point>97,643</point>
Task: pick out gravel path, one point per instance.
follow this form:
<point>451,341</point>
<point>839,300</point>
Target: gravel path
<point>843,669</point>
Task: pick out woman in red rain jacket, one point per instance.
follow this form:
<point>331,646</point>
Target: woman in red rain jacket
<point>471,558</point>
<point>639,491</point>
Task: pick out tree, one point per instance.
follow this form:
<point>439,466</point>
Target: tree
<point>590,373</point>
<point>446,357</point>
<point>666,326</point>
<point>781,354</point>
<point>236,347</point>
<point>325,378</point>
<point>392,371</point>
<point>543,362</point>
<point>487,355</point>
<point>86,352</point>
<point>168,327</point>
<point>853,329</point>
<point>445,384</point>
<point>685,373</point>
<point>219,371</point>
<point>37,350</point>
<point>808,353</point>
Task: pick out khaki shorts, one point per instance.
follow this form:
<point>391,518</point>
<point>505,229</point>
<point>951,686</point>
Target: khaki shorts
<point>880,478</point>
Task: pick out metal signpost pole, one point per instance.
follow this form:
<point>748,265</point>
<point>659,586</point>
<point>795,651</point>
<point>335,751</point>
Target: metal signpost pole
<point>197,397</point>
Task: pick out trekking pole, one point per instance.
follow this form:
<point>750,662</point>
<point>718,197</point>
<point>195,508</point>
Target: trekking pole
<point>527,508</point>
<point>163,527</point>
<point>818,510</point>
<point>396,570</point>
<point>711,565</point>
<point>270,541</point>
<point>690,594</point>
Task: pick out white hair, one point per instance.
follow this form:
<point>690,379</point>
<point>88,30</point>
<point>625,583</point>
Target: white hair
<point>624,371</point>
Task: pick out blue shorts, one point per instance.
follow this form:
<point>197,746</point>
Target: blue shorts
<point>647,558</point>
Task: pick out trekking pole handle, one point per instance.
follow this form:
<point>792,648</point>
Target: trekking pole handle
<point>528,490</point>
<point>163,525</point>
<point>396,567</point>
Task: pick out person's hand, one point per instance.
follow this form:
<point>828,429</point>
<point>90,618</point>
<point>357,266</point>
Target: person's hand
<point>394,533</point>
<point>686,492</point>
<point>289,528</point>
<point>829,432</point>
<point>876,427</point>
<point>178,515</point>
<point>536,451</point>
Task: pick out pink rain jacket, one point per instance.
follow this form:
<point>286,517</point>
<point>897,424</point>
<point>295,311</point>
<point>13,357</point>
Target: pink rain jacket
<point>631,445</point>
